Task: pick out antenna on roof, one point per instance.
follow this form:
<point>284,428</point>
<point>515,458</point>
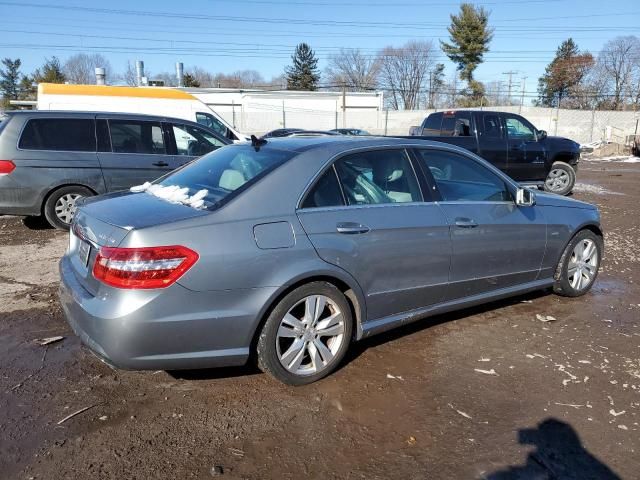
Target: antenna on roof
<point>257,142</point>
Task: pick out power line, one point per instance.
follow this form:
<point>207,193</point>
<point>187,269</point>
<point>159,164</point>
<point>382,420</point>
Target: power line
<point>288,21</point>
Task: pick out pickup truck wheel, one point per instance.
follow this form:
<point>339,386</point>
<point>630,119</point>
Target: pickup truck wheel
<point>61,205</point>
<point>561,179</point>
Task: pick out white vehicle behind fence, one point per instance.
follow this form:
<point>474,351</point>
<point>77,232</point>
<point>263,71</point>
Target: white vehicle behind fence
<point>142,100</point>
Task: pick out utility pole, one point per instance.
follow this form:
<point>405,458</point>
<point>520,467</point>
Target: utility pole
<point>510,73</point>
<point>430,90</point>
<point>344,105</point>
<point>524,83</point>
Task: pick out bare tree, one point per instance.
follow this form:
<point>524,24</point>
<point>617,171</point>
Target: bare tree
<point>618,61</point>
<point>80,68</point>
<point>404,71</point>
<point>354,70</point>
<point>129,76</point>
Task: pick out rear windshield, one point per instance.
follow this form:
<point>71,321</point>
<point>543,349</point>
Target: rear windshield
<point>226,172</point>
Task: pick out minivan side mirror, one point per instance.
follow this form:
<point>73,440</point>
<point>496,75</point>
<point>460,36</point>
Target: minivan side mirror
<point>525,197</point>
<point>542,134</point>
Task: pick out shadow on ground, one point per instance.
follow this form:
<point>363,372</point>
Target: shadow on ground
<point>558,455</point>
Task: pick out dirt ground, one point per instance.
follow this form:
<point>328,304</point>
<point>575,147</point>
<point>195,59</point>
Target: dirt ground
<point>491,392</point>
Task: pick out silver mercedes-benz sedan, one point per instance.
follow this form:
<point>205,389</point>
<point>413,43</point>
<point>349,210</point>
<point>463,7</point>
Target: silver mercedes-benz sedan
<point>290,249</point>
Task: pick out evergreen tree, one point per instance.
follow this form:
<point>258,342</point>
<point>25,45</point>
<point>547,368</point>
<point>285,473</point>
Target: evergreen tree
<point>563,74</point>
<point>189,80</point>
<point>470,36</point>
<point>303,74</point>
<point>9,77</point>
<point>51,72</point>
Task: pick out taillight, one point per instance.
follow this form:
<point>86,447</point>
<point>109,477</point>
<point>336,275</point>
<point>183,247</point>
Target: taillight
<point>6,167</point>
<point>149,267</point>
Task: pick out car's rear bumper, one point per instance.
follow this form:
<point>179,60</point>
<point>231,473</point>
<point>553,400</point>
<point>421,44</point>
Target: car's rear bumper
<point>172,328</point>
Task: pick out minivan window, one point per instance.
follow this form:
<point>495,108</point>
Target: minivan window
<point>226,171</point>
<point>378,176</point>
<point>194,141</point>
<point>459,178</point>
<point>128,136</point>
<point>212,122</point>
<point>102,135</point>
<point>325,193</point>
<point>62,134</point>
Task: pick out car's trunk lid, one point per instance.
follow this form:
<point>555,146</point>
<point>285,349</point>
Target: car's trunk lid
<point>106,221</point>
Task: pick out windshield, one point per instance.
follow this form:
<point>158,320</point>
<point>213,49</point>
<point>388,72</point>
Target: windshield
<point>228,170</point>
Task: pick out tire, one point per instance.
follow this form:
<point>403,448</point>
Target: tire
<point>577,272</point>
<point>292,349</point>
<point>59,207</point>
<point>560,179</point>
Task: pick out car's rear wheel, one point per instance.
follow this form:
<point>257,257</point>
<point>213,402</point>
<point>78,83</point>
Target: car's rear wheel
<point>579,265</point>
<point>561,179</point>
<point>306,335</point>
<point>60,207</point>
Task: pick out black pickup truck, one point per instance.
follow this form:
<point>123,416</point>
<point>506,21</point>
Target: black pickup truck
<point>509,142</point>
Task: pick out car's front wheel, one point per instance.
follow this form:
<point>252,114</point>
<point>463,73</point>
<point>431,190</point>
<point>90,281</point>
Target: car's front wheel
<point>60,207</point>
<point>306,335</point>
<point>579,265</point>
<point>560,179</point>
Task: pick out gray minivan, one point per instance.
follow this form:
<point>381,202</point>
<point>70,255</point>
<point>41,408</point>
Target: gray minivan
<point>48,159</point>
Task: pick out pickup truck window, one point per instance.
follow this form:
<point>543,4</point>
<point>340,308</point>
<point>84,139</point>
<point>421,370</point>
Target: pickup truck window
<point>432,124</point>
<point>517,129</point>
<point>462,179</point>
<point>492,126</point>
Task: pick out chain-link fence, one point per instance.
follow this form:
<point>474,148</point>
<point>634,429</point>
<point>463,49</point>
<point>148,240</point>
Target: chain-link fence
<point>583,126</point>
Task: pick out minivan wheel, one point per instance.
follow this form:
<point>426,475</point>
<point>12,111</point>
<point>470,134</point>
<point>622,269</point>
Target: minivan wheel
<point>561,179</point>
<point>306,335</point>
<point>60,207</point>
<point>579,265</point>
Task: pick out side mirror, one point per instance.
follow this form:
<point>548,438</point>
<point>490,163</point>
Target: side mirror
<point>525,197</point>
<point>542,134</point>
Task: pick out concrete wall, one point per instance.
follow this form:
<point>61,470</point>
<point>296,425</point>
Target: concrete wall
<point>262,112</point>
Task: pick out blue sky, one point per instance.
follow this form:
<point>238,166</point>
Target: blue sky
<point>228,35</point>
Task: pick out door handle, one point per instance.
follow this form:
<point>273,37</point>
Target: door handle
<point>465,223</point>
<point>351,228</point>
<point>161,164</point>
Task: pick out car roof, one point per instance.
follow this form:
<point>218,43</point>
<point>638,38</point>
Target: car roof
<point>338,143</point>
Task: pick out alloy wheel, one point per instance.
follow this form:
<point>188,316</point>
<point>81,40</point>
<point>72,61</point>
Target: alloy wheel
<point>310,335</point>
<point>557,180</point>
<point>65,207</point>
<point>583,264</point>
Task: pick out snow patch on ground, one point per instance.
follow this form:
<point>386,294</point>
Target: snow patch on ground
<point>597,189</point>
<point>617,159</point>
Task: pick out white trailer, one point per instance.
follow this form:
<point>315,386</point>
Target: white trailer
<point>167,102</point>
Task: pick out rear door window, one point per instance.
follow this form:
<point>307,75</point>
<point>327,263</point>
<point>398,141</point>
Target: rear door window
<point>378,176</point>
<point>62,134</point>
<point>325,193</point>
<point>462,127</point>
<point>128,136</point>
<point>492,126</point>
